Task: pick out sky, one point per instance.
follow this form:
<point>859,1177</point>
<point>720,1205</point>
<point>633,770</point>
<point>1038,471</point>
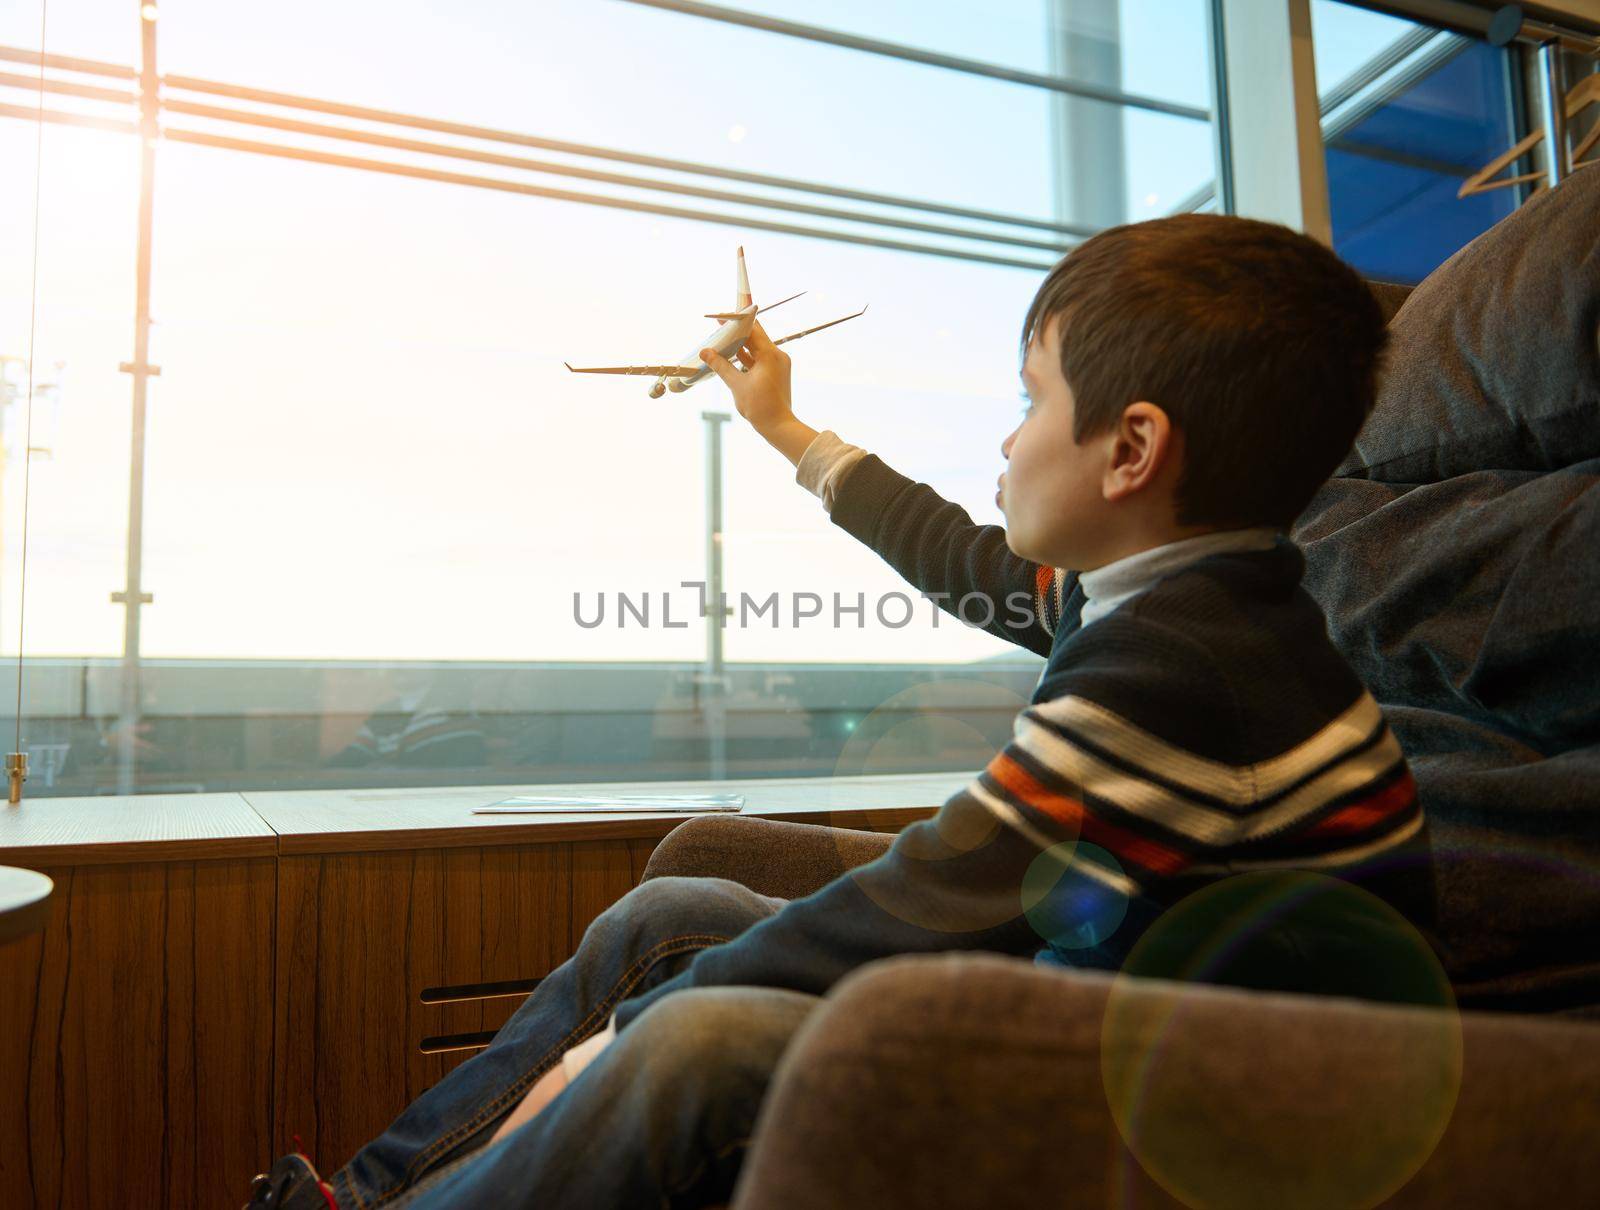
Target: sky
<point>363,444</point>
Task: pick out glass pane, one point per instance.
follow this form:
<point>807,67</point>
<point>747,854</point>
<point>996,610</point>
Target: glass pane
<point>1153,38</point>
<point>648,81</point>
<point>107,30</point>
<point>380,515</point>
<point>77,476</point>
<point>1415,131</point>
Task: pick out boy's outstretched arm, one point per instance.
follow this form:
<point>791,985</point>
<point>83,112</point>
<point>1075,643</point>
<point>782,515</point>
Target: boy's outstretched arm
<point>930,541</point>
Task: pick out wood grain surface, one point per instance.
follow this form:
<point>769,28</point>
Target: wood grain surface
<point>148,827</point>
<point>136,1053</point>
<point>362,936</point>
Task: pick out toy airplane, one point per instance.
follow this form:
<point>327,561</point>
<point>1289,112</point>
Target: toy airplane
<point>735,330</point>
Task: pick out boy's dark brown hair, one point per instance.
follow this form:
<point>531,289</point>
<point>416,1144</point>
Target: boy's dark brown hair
<point>1260,344</point>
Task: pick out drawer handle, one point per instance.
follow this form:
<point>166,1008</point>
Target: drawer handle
<point>479,991</point>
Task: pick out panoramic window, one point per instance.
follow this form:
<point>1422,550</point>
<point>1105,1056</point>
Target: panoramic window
<point>367,529</point>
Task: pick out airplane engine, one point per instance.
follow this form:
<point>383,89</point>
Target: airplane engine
<point>657,391</point>
<point>677,385</point>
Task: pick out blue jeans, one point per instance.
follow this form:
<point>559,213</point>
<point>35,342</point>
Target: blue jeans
<point>659,1117</point>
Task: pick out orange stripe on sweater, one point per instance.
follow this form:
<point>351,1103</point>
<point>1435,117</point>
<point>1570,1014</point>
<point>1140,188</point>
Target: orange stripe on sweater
<point>1042,581</point>
<point>1360,816</point>
<point>1071,812</point>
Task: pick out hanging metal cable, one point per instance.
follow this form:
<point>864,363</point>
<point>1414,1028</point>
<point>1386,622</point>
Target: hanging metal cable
<point>17,759</point>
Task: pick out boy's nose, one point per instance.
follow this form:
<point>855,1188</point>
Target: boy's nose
<point>1005,446</point>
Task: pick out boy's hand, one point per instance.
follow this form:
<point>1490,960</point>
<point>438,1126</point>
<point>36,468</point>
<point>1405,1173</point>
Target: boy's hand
<point>761,392</point>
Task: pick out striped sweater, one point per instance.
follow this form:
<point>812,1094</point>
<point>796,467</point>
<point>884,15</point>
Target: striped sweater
<point>1204,727</point>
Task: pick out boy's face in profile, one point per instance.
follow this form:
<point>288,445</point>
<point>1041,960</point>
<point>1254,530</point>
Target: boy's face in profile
<point>1050,492</point>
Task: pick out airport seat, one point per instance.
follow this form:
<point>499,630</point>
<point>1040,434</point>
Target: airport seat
<point>977,1079</point>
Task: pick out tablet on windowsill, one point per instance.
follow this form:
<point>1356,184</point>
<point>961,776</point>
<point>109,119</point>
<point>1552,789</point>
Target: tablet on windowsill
<point>535,804</point>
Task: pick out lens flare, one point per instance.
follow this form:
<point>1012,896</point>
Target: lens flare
<point>1331,1106</point>
<point>1071,898</point>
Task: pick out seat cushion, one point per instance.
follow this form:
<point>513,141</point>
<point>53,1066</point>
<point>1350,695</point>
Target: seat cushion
<point>1495,358</point>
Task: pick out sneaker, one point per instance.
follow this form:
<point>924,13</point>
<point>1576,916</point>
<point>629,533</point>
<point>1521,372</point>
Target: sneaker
<point>293,1184</point>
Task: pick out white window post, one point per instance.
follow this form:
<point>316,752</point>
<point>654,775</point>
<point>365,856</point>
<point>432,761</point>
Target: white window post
<point>1269,130</point>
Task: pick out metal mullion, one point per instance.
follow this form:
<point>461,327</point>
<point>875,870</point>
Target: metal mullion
<point>929,58</point>
<point>1369,72</point>
<point>1429,59</point>
<point>1477,20</point>
<point>67,88</point>
<point>491,134</point>
<point>281,151</point>
<point>1221,186</point>
<point>91,67</point>
<point>373,138</point>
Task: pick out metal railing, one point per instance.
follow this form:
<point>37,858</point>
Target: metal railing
<point>998,236</point>
<point>928,58</point>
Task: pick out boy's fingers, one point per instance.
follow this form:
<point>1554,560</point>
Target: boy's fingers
<point>719,365</point>
<point>759,340</point>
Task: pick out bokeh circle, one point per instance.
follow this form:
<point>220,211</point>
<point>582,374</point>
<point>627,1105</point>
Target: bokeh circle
<point>1318,1104</point>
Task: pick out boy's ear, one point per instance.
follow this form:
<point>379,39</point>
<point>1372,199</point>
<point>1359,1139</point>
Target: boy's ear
<point>1141,444</point>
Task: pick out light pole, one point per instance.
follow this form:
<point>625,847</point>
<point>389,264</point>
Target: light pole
<point>716,610</point>
<point>133,597</point>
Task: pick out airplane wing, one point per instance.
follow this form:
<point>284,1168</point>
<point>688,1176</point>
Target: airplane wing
<point>818,328</point>
<point>652,371</point>
<point>725,315</point>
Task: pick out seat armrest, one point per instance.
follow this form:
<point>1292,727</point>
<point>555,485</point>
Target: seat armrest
<point>770,856</point>
<point>967,1080</point>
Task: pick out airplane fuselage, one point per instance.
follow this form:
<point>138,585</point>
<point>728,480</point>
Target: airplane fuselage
<point>725,340</point>
<point>734,332</point>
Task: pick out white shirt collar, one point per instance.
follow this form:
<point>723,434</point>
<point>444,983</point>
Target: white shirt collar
<point>1109,586</point>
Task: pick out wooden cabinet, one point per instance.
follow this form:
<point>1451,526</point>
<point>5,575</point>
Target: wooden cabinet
<point>393,967</point>
<point>222,973</point>
<point>136,1029</point>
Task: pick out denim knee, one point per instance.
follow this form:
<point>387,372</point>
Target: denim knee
<point>672,906</point>
<point>704,1036</point>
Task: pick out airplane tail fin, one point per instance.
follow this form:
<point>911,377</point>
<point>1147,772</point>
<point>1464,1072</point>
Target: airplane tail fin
<point>742,296</point>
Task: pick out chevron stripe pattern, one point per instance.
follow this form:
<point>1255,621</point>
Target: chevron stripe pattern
<point>1075,769</point>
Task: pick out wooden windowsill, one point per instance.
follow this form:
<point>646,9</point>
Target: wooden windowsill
<point>182,827</point>
<point>105,829</point>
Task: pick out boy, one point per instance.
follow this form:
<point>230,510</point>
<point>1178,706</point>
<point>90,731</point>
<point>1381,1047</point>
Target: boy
<point>1193,381</point>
